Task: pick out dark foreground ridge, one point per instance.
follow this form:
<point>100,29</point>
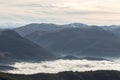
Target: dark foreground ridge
<point>95,75</point>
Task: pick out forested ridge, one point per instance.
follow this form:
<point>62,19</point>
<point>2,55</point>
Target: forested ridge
<point>90,75</point>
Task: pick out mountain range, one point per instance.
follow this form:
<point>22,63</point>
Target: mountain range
<point>50,41</point>
<point>74,39</point>
<point>40,42</point>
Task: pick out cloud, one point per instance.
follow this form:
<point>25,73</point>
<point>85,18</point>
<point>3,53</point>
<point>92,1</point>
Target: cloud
<point>60,11</point>
<point>87,12</point>
<point>64,65</point>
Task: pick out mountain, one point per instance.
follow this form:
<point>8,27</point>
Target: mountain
<point>90,75</point>
<point>74,38</point>
<point>113,28</point>
<point>94,58</point>
<point>70,57</point>
<point>42,28</point>
<point>93,41</point>
<point>34,27</point>
<point>6,68</point>
<point>14,47</point>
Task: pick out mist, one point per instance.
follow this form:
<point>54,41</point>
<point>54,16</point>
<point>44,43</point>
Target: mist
<point>64,65</point>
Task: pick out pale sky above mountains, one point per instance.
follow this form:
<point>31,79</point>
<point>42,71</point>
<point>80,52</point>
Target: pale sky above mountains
<point>100,12</point>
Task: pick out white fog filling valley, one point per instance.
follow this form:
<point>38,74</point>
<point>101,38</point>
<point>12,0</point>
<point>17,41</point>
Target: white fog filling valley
<point>64,65</point>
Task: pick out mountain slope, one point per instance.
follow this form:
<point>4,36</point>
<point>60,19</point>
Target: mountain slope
<point>95,75</point>
<point>43,27</point>
<point>92,41</point>
<point>113,28</point>
<point>14,47</point>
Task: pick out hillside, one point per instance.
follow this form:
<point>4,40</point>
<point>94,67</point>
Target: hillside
<point>14,47</point>
<point>82,41</point>
<point>95,75</point>
<point>31,28</point>
<point>43,28</point>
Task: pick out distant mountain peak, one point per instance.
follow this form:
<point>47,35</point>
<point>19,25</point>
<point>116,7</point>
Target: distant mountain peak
<point>74,25</point>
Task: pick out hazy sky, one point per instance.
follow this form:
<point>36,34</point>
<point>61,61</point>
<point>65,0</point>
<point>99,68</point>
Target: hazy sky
<point>60,11</point>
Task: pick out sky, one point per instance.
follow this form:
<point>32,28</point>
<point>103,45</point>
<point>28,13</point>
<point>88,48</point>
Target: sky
<point>20,12</point>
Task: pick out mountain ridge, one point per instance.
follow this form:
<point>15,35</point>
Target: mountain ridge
<point>88,75</point>
<point>14,47</point>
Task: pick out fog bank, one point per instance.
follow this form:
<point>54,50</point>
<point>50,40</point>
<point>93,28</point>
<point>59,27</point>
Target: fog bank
<point>64,65</point>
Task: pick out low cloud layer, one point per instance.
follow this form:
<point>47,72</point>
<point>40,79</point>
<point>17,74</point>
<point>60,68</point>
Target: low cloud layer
<point>60,11</point>
<point>64,65</point>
